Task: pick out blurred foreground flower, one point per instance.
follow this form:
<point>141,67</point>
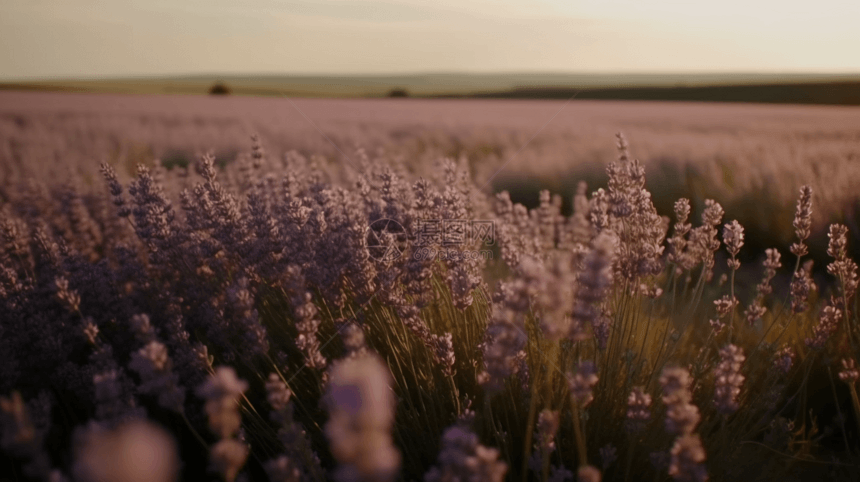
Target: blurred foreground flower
<point>463,458</point>
<point>222,392</point>
<point>138,451</point>
<point>361,407</point>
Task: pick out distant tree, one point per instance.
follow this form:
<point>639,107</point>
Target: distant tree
<point>219,89</point>
<point>398,92</point>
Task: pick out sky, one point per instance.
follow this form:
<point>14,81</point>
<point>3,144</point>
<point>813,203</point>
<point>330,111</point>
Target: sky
<point>42,39</point>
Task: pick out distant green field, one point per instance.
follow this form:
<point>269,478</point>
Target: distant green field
<point>771,88</point>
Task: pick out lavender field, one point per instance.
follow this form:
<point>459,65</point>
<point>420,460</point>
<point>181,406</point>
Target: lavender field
<point>440,290</point>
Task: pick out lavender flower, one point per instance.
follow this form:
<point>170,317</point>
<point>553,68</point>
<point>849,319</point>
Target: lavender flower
<point>142,328</point>
<point>277,393</point>
<point>90,331</point>
<point>548,423</point>
<point>463,458</point>
<point>728,379</point>
<point>682,228</point>
<point>850,373</point>
<point>594,282</point>
<point>724,306</point>
<point>756,309</point>
<point>68,297</point>
<point>733,237</point>
<point>222,391</point>
<point>783,359</point>
<point>580,230</point>
<point>361,409</point>
<point>582,382</point>
<point>801,286</point>
<point>112,399</point>
<point>282,469</point>
<point>687,459</point>
<point>503,341</point>
<point>633,218</point>
<point>554,293</point>
<point>299,454</point>
<point>842,267</point>
<point>802,221</point>
<point>228,456</point>
<point>638,410</point>
<point>115,190</point>
<point>682,416</point>
<point>705,236</point>
<point>153,365</point>
<point>307,321</point>
<point>828,323</point>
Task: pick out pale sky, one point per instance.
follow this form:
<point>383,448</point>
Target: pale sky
<point>96,38</point>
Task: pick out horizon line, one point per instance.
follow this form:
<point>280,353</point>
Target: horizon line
<point>465,73</point>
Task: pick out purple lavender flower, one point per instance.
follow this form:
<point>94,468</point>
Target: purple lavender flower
<point>682,416</point>
<point>582,382</point>
<point>849,373</point>
<point>728,379</point>
<point>828,323</point>
<point>784,359</point>
<point>463,458</point>
<point>687,459</point>
<point>361,414</point>
<point>638,410</point>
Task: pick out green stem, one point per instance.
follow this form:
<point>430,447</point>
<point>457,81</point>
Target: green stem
<point>530,426</point>
<point>580,437</point>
